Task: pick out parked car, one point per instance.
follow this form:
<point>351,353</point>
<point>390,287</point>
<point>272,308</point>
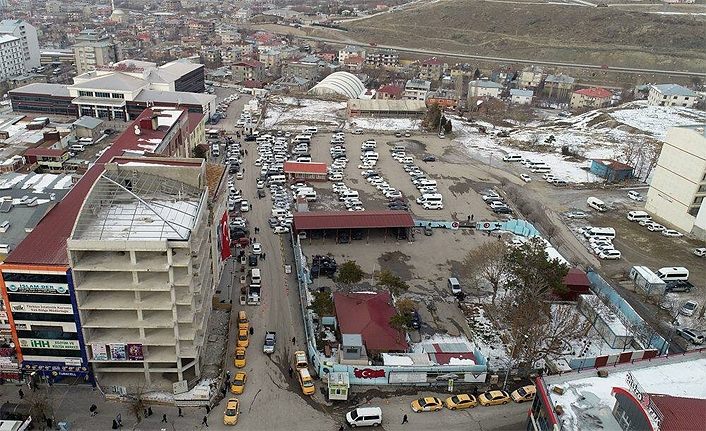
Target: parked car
<point>655,227</point>
<point>689,308</point>
<point>526,178</point>
<point>701,252</point>
<point>237,386</point>
<point>525,393</point>
<point>256,248</point>
<point>690,335</point>
<point>492,398</point>
<point>461,401</point>
<point>428,404</point>
<point>576,214</point>
<point>672,233</point>
<point>230,416</point>
<point>429,159</point>
<point>636,196</point>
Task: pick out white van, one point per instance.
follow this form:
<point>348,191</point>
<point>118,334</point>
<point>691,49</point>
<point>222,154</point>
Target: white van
<point>255,278</point>
<point>349,194</point>
<point>541,169</point>
<point>309,195</point>
<point>278,212</point>
<point>426,183</point>
<point>312,130</point>
<point>364,417</point>
<point>512,158</point>
<point>77,147</point>
<point>4,248</point>
<point>607,232</point>
<point>596,204</point>
<point>638,215</point>
<point>429,198</point>
<point>301,138</point>
<point>397,148</point>
<point>4,226</point>
<point>276,179</point>
<point>674,273</point>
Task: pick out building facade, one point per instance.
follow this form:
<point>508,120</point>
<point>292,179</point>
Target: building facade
<point>350,51</point>
<point>590,98</point>
<point>416,89</point>
<point>93,48</point>
<point>386,58</point>
<point>559,87</point>
<point>27,34</point>
<point>11,57</point>
<point>521,97</point>
<point>678,188</point>
<point>249,70</point>
<point>431,69</point>
<point>672,95</point>
<point>480,88</point>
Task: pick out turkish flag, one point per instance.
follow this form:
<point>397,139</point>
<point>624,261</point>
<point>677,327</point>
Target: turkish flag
<point>224,237</point>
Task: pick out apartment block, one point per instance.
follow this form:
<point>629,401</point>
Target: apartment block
<point>672,95</point>
<point>93,49</point>
<point>11,57</point>
<point>27,34</point>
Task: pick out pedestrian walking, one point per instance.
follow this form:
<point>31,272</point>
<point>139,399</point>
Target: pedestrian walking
<point>21,393</point>
<point>93,409</point>
<point>471,217</point>
<point>341,428</point>
<point>164,418</point>
<point>294,340</point>
<point>146,414</point>
<point>205,421</point>
<point>180,415</point>
<point>291,371</point>
<point>404,419</point>
<point>149,410</point>
<point>119,419</point>
<point>115,424</point>
<point>208,409</point>
<point>252,331</point>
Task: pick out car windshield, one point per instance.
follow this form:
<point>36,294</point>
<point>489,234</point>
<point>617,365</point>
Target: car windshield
<point>522,392</point>
<point>455,399</point>
<point>240,356</point>
<point>308,383</point>
<point>354,415</point>
<point>690,305</point>
<point>231,412</point>
<point>238,381</point>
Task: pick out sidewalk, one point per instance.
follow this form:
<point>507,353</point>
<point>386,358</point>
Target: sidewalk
<point>72,403</point>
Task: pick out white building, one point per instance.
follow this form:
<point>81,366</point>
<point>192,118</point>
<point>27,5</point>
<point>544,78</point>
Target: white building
<point>140,253</point>
<point>416,89</point>
<point>678,186</point>
<point>350,51</point>
<point>93,49</point>
<point>521,97</point>
<point>483,88</point>
<point>27,34</point>
<point>11,57</point>
<point>672,95</point>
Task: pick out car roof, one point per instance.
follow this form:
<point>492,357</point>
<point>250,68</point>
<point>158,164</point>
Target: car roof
<point>232,402</point>
<point>240,374</point>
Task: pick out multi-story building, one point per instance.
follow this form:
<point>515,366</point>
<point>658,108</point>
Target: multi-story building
<point>530,77</point>
<point>431,69</point>
<point>309,68</point>
<point>672,95</point>
<point>416,89</point>
<point>248,70</point>
<point>483,88</point>
<point>27,34</point>
<point>349,51</point>
<point>678,188</point>
<point>93,48</point>
<point>388,92</point>
<point>270,58</point>
<point>445,98</point>
<point>387,58</point>
<point>558,87</point>
<point>521,97</point>
<point>590,98</point>
<point>11,57</point>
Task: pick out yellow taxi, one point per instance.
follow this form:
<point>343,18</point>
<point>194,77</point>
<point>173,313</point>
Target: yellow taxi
<point>243,322</point>
<point>428,404</point>
<point>306,382</point>
<point>243,339</point>
<point>525,393</point>
<point>460,401</point>
<point>237,386</point>
<point>230,416</point>
<point>300,360</point>
<point>239,357</point>
<point>492,398</point>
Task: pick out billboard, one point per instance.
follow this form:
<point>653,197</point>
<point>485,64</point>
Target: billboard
<point>134,352</point>
<point>28,287</point>
<point>39,307</point>
<point>36,343</point>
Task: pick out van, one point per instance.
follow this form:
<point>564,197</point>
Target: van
<point>4,248</point>
<point>312,130</point>
<point>310,195</point>
<point>541,169</point>
<point>398,148</point>
<point>243,322</point>
<point>349,194</point>
<point>454,285</point>
<point>364,417</point>
<point>596,204</point>
<point>606,232</point>
<point>77,148</point>
<point>306,382</point>
<point>429,198</point>
<point>301,139</point>
<point>638,215</point>
<point>276,179</point>
<point>426,183</point>
<point>512,158</point>
<point>255,277</point>
<point>279,212</point>
<point>674,273</point>
<point>4,226</point>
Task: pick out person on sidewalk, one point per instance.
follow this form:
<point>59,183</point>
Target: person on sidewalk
<point>180,414</point>
<point>164,418</point>
<point>22,394</point>
<point>149,411</point>
<point>205,421</point>
<point>93,409</point>
<point>291,371</point>
<point>404,419</point>
<point>115,425</point>
<point>294,340</point>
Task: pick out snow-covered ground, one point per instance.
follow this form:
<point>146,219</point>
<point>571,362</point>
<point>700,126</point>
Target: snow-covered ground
<point>289,113</point>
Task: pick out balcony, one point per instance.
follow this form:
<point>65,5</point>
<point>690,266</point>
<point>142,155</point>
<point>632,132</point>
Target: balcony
<point>122,300</point>
<point>117,281</point>
<point>119,261</point>
<point>128,319</point>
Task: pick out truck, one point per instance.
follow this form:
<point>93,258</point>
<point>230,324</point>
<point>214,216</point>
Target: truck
<point>647,281</point>
<point>254,294</point>
<point>270,340</point>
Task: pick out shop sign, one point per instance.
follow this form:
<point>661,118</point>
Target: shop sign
<point>35,343</point>
<point>26,287</point>
<point>35,307</point>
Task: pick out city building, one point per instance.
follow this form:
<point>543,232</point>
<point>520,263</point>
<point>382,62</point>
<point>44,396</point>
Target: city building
<point>445,98</point>
<point>590,98</point>
<point>416,89</point>
<point>558,87</point>
<point>664,393</point>
<point>483,88</point>
<point>672,95</point>
<point>350,51</point>
<point>248,70</point>
<point>431,69</point>
<point>47,57</point>
<point>385,58</point>
<point>386,108</point>
<point>46,298</point>
<point>309,68</point>
<point>11,57</point>
<point>27,34</point>
<point>93,48</point>
<point>521,97</point>
<point>678,188</point>
<point>389,91</point>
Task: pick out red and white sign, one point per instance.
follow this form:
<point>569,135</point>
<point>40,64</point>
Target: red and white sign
<point>368,373</point>
<point>454,225</point>
<point>224,237</point>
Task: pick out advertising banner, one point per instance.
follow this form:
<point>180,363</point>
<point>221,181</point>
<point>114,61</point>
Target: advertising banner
<point>117,352</point>
<point>27,287</point>
<point>31,307</point>
<point>224,237</point>
<point>100,352</point>
<point>134,352</point>
<point>35,343</point>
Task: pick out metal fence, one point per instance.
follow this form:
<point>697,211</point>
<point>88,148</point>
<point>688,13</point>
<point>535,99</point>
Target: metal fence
<point>303,280</point>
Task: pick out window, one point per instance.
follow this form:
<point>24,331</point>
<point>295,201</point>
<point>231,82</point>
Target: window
<point>118,96</point>
<point>102,94</point>
<point>698,200</point>
<point>694,211</point>
<point>85,93</point>
<point>702,188</point>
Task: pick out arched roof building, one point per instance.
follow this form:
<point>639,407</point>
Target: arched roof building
<point>343,83</point>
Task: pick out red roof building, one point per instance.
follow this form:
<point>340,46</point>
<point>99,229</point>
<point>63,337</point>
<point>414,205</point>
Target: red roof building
<point>590,98</point>
<point>313,171</point>
<point>314,220</point>
<point>576,283</point>
<point>389,91</point>
<point>368,314</point>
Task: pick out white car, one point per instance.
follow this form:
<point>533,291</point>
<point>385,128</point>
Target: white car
<point>239,176</point>
<point>244,206</point>
<point>672,233</point>
<point>701,252</point>
<point>636,196</point>
<point>280,229</point>
<point>655,227</point>
<point>256,248</point>
<point>357,131</point>
<point>611,254</point>
<point>576,214</point>
<point>689,308</point>
<point>526,178</point>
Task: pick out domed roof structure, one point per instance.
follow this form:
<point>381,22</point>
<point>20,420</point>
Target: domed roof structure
<point>342,83</point>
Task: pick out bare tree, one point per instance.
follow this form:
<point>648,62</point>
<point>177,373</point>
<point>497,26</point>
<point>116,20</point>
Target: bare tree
<point>40,405</point>
<point>137,404</point>
<point>488,262</point>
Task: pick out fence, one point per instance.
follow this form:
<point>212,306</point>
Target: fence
<point>623,309</point>
<point>303,280</point>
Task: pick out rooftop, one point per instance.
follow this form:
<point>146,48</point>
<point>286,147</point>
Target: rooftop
<point>596,92</point>
<point>674,90</point>
<point>181,97</point>
<point>387,105</point>
<point>54,90</point>
<point>368,314</point>
<point>114,81</point>
<point>307,168</point>
<point>352,220</point>
<point>484,83</point>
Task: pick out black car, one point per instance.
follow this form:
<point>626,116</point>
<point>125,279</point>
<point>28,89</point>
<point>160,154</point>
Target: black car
<point>502,210</point>
<point>678,286</point>
<point>252,260</point>
<point>416,320</point>
<point>344,238</point>
<point>260,193</point>
<point>357,234</point>
<point>429,159</point>
<point>249,138</point>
